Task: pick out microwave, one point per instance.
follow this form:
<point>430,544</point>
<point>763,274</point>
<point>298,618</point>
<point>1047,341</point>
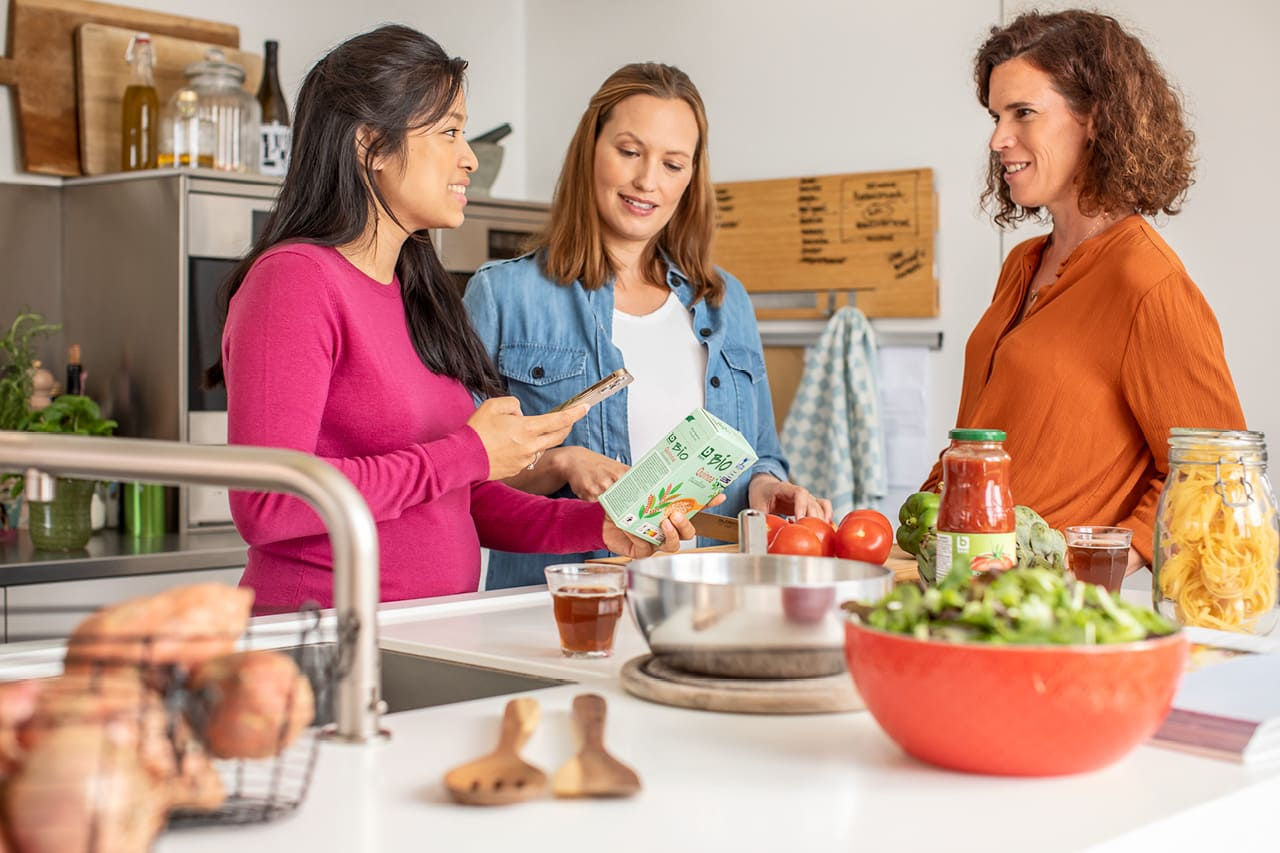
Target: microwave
<point>144,255</point>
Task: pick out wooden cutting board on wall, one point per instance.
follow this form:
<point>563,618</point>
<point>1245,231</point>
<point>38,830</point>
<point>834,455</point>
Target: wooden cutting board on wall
<point>104,74</point>
<point>41,67</point>
<point>862,238</point>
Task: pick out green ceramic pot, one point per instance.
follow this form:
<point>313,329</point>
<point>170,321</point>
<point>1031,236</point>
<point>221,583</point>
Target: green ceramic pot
<point>62,524</point>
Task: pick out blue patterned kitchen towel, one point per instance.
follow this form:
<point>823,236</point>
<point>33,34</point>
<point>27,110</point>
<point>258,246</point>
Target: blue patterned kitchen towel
<point>833,435</point>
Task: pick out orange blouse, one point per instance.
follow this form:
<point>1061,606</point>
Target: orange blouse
<point>1119,349</point>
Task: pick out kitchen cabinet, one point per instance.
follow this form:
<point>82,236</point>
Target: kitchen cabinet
<point>52,610</point>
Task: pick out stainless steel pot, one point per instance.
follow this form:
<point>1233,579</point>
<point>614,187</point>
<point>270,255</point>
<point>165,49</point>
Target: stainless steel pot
<point>750,615</point>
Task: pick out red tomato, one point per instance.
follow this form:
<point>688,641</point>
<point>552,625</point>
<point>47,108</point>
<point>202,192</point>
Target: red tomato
<point>862,538</point>
<point>825,532</point>
<point>795,539</point>
<point>774,522</point>
<point>872,515</point>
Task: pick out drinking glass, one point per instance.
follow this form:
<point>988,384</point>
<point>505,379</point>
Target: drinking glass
<point>1097,554</point>
<point>587,599</point>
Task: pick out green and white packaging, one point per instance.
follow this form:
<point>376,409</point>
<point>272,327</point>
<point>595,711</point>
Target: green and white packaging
<point>697,460</point>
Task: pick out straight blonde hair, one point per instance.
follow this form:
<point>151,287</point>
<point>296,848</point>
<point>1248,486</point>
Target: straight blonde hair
<point>571,248</point>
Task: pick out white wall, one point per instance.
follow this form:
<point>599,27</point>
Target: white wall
<point>814,87</point>
<point>488,33</point>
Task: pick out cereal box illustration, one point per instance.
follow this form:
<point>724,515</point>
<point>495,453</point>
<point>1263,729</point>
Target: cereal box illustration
<point>696,461</point>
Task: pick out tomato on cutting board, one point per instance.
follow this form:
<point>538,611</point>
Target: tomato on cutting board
<point>870,515</point>
<point>795,539</point>
<point>824,531</point>
<point>863,537</point>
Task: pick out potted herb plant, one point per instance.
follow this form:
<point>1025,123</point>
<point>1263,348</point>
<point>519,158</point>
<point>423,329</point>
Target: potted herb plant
<point>63,524</point>
<point>17,364</point>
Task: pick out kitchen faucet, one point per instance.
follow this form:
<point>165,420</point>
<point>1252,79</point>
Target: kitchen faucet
<point>345,515</point>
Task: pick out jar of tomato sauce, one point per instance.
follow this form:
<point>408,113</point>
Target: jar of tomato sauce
<point>976,522</point>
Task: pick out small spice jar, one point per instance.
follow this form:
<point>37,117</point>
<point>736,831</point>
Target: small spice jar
<point>1217,543</point>
<point>976,522</point>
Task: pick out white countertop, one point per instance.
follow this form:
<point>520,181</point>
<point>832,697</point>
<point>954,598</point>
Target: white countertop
<point>715,781</point>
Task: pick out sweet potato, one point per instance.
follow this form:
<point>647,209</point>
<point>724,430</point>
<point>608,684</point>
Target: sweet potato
<point>133,717</point>
<point>250,705</point>
<point>80,790</point>
<point>17,704</point>
<point>187,626</point>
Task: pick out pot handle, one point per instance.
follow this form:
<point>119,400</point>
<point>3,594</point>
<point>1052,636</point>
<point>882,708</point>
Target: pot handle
<point>753,532</point>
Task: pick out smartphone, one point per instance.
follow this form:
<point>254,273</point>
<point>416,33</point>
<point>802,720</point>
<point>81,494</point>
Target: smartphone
<point>607,387</point>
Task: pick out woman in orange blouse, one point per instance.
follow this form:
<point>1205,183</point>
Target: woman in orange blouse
<point>1096,341</point>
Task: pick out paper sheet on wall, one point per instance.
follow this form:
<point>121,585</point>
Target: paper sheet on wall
<point>904,412</point>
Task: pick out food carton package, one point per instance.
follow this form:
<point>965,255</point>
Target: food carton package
<point>696,461</point>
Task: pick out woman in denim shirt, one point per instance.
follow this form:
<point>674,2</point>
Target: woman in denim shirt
<point>623,276</point>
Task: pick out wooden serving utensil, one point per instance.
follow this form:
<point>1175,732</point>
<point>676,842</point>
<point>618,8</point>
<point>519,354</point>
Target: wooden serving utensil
<point>502,776</point>
<point>593,772</point>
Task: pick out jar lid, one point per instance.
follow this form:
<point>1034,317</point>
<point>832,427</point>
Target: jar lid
<point>215,62</point>
<point>976,435</point>
<point>1190,444</point>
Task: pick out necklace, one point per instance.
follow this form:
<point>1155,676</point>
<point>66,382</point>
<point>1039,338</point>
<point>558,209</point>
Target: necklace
<point>1097,226</point>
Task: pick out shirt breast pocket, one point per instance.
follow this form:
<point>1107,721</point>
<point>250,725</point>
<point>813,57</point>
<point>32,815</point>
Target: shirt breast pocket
<point>541,376</point>
<point>746,369</point>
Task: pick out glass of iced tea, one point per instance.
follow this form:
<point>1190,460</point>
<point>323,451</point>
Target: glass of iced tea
<point>588,600</point>
<point>1099,554</point>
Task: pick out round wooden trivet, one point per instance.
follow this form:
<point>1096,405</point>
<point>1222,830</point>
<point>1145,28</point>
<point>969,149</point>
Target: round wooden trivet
<point>650,678</point>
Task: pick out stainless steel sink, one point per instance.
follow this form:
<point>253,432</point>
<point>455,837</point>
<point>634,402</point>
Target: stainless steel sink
<point>413,681</point>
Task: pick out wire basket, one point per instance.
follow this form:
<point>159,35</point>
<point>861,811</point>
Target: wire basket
<point>123,719</point>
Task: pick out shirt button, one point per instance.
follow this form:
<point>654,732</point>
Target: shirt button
<point>537,373</point>
<point>715,381</point>
<point>706,333</point>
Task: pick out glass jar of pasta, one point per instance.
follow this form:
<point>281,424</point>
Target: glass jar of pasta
<point>1217,543</point>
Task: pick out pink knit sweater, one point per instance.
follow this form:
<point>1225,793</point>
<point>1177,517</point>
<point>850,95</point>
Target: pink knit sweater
<point>317,358</point>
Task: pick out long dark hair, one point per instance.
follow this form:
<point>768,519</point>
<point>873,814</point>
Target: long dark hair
<point>388,82</point>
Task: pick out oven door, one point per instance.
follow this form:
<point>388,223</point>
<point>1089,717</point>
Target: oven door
<point>220,231</point>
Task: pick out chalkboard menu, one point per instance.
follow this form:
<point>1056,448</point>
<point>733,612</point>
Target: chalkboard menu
<point>867,238</point>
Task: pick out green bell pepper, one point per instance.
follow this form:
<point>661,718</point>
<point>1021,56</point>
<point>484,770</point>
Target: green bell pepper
<point>919,519</point>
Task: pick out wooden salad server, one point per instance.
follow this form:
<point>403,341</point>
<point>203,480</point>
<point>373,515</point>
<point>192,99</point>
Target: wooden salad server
<point>593,772</point>
<point>502,776</point>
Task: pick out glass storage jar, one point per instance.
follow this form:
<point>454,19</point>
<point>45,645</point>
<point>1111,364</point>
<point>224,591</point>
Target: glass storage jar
<point>1217,543</point>
<point>976,522</point>
<point>235,113</point>
<point>186,136</point>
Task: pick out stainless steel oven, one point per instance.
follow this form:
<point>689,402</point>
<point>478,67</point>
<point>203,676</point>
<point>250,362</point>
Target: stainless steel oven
<point>494,230</point>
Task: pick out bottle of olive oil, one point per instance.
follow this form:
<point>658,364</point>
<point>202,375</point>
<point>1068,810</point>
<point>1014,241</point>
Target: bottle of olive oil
<point>140,113</point>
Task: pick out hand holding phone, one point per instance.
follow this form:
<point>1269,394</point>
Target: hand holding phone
<point>607,387</point>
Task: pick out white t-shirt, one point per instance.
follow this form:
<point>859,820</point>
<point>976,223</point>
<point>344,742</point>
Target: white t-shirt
<point>669,364</point>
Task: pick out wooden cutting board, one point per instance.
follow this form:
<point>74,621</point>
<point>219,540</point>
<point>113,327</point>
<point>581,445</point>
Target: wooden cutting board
<point>104,74</point>
<point>41,66</point>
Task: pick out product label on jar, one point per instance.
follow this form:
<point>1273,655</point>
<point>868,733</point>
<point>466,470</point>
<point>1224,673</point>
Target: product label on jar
<point>276,139</point>
<point>975,552</point>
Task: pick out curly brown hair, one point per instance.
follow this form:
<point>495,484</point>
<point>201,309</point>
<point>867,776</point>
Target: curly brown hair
<point>1141,158</point>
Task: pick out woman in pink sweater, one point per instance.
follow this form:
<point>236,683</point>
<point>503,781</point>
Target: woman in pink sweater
<point>346,338</point>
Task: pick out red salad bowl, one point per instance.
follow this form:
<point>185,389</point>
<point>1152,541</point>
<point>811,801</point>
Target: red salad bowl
<point>1015,710</point>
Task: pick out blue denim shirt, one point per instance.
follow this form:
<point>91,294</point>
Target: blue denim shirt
<point>551,341</point>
